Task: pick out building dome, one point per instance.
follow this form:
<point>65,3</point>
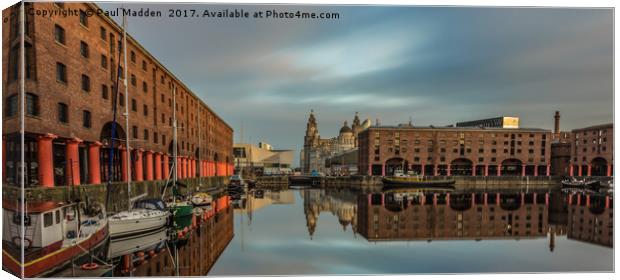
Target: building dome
<point>345,128</point>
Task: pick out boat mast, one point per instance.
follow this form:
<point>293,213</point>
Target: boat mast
<point>22,131</point>
<point>126,110</point>
<point>199,148</point>
<point>174,136</point>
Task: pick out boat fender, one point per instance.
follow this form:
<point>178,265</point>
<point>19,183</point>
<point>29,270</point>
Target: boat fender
<point>16,241</point>
<point>89,266</point>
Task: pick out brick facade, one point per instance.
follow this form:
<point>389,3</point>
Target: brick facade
<point>454,151</point>
<point>87,92</point>
<point>592,151</point>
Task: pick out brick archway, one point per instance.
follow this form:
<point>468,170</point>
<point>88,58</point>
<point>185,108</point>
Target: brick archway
<point>598,167</point>
<point>461,166</point>
<point>511,166</point>
<point>396,164</point>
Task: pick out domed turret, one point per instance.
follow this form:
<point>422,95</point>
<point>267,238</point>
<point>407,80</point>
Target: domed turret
<point>345,128</point>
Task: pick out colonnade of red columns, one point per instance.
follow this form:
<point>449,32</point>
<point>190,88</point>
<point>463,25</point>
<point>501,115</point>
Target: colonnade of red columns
<point>588,171</point>
<point>156,164</point>
<point>473,170</point>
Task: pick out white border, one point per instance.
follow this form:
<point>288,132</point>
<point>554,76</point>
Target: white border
<point>540,3</point>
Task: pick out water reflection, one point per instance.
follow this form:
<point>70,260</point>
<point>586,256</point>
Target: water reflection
<point>211,233</point>
<point>431,216</point>
<point>329,231</point>
<point>341,204</point>
<point>590,219</point>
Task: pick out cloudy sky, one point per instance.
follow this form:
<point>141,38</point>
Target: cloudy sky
<point>437,65</point>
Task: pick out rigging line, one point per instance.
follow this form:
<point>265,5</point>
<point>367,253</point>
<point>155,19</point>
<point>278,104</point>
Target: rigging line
<point>113,132</point>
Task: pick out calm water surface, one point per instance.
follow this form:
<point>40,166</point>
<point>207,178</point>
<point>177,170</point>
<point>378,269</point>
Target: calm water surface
<point>315,231</point>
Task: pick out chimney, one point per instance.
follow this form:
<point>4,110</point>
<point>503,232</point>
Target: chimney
<point>556,127</point>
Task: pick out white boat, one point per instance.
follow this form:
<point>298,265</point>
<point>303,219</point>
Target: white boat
<point>56,234</point>
<point>134,243</point>
<point>136,221</point>
<point>201,199</point>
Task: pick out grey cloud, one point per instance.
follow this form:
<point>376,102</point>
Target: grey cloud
<point>437,64</point>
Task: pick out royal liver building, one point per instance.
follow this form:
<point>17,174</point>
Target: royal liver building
<point>317,150</point>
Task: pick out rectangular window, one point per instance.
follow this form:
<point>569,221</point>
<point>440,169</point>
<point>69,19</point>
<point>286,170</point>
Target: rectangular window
<point>83,18</point>
<point>61,73</point>
<point>133,79</point>
<point>133,57</point>
<point>11,106</point>
<point>102,33</point>
<point>32,104</point>
<point>121,99</point>
<point>59,34</point>
<point>84,49</point>
<point>85,83</point>
<point>143,65</point>
<point>134,132</point>
<point>144,87</point>
<point>112,44</point>
<point>63,113</point>
<point>145,109</point>
<point>134,105</point>
<point>104,61</point>
<point>104,91</point>
<point>86,119</point>
<point>48,219</point>
<point>146,134</point>
<point>155,137</point>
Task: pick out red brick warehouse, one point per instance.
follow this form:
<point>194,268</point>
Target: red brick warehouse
<point>448,151</point>
<point>71,72</point>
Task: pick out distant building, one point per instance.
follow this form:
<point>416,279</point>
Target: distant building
<point>317,150</point>
<point>499,122</point>
<point>265,146</point>
<point>262,159</point>
<point>429,150</point>
<point>592,151</point>
<point>560,149</point>
<point>343,164</point>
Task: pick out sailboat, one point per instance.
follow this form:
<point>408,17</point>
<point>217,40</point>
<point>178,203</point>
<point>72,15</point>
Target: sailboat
<point>134,220</point>
<point>180,208</point>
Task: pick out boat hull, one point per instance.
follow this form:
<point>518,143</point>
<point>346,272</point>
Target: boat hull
<point>181,210</point>
<point>139,242</point>
<point>56,260</point>
<point>120,228</point>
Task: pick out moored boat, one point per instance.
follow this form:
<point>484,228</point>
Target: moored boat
<point>56,234</point>
<point>416,182</point>
<point>574,183</point>
<point>259,194</point>
<point>201,199</point>
<point>146,216</point>
<point>236,180</point>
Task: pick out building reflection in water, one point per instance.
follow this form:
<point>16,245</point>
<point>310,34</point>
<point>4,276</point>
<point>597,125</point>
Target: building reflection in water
<point>340,203</point>
<point>196,257</point>
<point>590,219</point>
<point>432,216</point>
<point>465,216</point>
